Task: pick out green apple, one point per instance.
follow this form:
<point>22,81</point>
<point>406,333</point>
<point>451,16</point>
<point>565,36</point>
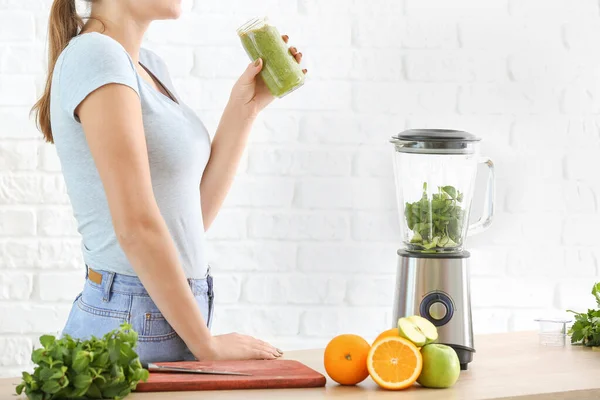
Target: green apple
<point>441,367</point>
<point>428,329</point>
<point>409,330</point>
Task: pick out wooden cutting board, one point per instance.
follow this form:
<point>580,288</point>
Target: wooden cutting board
<point>266,374</point>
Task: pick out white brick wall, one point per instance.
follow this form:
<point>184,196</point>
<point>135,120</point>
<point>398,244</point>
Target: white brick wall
<point>305,246</point>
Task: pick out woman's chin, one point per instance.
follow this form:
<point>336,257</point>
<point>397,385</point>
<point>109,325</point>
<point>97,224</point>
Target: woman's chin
<point>176,13</point>
<point>173,12</point>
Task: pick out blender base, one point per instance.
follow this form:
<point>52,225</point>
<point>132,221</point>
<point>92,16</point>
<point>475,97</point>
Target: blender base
<point>437,287</point>
<point>465,356</point>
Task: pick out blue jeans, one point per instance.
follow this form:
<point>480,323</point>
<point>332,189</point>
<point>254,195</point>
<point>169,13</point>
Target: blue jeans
<point>101,308</point>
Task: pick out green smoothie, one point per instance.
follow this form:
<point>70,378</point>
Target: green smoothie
<point>281,72</point>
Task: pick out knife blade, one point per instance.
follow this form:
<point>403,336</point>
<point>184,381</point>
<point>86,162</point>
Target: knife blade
<point>161,368</point>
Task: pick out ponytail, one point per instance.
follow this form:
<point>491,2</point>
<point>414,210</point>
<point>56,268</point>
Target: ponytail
<point>64,24</point>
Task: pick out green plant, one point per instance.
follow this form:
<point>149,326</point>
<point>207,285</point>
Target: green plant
<point>436,222</point>
<point>586,329</point>
<point>106,368</point>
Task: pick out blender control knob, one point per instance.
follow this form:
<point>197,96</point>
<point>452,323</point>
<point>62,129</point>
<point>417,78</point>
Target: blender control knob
<point>438,310</point>
<point>437,307</point>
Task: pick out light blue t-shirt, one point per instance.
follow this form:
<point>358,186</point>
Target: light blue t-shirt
<point>178,150</point>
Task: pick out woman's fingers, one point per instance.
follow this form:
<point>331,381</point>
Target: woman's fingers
<point>294,52</point>
<point>305,71</point>
<point>269,348</point>
<point>261,354</point>
<point>243,347</point>
<point>297,55</point>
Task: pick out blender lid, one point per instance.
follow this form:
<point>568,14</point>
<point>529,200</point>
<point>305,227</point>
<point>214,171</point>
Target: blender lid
<point>435,141</point>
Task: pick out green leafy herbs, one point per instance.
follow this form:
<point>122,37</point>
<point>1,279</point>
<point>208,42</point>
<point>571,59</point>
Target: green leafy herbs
<point>98,368</point>
<point>586,329</point>
<point>436,222</point>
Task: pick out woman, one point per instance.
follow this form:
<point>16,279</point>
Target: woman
<point>143,179</point>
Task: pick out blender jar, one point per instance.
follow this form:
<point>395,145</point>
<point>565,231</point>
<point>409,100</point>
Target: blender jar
<point>435,171</point>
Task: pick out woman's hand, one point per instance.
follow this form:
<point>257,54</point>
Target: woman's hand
<point>235,347</point>
<point>250,92</point>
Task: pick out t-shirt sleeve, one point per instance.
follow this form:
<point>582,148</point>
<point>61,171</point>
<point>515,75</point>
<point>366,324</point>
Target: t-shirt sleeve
<point>91,62</point>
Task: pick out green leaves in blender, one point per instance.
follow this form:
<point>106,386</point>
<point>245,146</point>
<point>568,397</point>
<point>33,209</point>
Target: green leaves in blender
<point>436,222</point>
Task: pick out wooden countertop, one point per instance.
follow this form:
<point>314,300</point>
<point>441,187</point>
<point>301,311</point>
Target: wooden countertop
<point>506,366</point>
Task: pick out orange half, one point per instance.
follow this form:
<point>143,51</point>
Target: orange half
<point>394,363</point>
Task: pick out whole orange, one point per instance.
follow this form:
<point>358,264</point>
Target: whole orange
<point>388,333</point>
<point>346,359</point>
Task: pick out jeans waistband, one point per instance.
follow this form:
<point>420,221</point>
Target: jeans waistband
<point>115,282</point>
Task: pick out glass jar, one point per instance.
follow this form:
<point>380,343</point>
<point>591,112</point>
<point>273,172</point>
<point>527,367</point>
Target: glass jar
<point>553,331</point>
<point>281,72</point>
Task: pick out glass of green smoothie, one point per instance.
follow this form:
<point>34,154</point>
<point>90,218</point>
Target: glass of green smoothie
<point>281,72</point>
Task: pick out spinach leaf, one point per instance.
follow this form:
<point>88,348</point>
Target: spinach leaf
<point>436,222</point>
<point>586,329</point>
<point>106,367</point>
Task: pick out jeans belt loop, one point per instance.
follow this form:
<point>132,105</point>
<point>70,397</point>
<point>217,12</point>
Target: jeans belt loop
<point>107,286</point>
<point>209,281</point>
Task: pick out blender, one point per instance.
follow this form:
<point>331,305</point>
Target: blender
<point>435,172</point>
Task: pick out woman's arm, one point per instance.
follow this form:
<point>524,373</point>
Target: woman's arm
<point>111,117</point>
<point>226,151</point>
<point>248,97</point>
<point>230,140</point>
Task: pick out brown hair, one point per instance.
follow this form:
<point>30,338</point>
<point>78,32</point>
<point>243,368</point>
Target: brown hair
<point>63,25</point>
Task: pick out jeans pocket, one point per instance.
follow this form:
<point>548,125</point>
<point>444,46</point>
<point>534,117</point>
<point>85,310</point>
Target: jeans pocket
<point>101,311</point>
<point>86,320</point>
<point>156,327</point>
<point>148,321</point>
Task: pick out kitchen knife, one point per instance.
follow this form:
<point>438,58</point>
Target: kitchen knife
<point>160,368</point>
